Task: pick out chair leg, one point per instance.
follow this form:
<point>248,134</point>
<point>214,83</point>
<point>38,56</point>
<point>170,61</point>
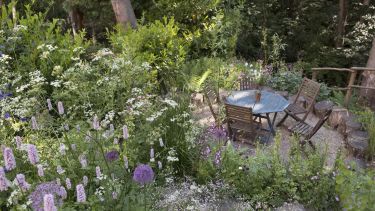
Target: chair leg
<point>312,145</point>
<point>282,120</point>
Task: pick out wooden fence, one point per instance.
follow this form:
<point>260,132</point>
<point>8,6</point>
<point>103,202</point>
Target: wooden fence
<point>353,71</point>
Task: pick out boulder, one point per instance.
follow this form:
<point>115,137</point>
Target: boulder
<point>320,108</point>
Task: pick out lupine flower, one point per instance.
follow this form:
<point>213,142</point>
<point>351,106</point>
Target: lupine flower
<point>60,170</point>
<point>114,195</point>
<point>217,157</point>
<point>161,143</point>
<point>95,123</point>
<point>115,141</point>
<point>112,155</point>
<point>40,170</point>
<point>85,180</point>
<point>98,172</point>
<point>37,196</point>
<point>68,183</point>
<point>49,203</point>
<point>206,152</point>
<point>9,160</point>
<point>60,108</point>
<point>32,154</point>
<point>143,174</point>
<point>21,181</point>
<point>18,142</point>
<point>62,149</point>
<point>34,124</point>
<point>160,165</point>
<point>81,195</point>
<point>63,193</point>
<point>83,161</point>
<point>74,147</point>
<point>49,104</point>
<point>125,133</point>
<point>126,161</point>
<point>4,183</point>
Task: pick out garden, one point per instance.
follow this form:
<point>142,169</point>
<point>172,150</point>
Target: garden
<point>150,115</point>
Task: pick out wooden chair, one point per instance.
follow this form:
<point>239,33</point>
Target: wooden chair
<point>240,118</point>
<point>308,90</point>
<point>306,131</point>
<point>211,96</point>
<point>248,83</point>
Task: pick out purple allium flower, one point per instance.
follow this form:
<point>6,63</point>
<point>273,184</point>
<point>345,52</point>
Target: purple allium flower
<point>218,132</point>
<point>112,155</point>
<point>115,141</point>
<point>6,115</point>
<point>114,195</point>
<point>125,133</point>
<point>85,180</point>
<point>160,165</point>
<point>63,193</point>
<point>37,196</point>
<point>217,158</point>
<point>40,170</point>
<point>143,174</point>
<point>81,195</point>
<point>34,124</point>
<point>9,160</point>
<point>83,161</point>
<point>60,170</point>
<point>49,203</point>
<point>21,181</point>
<point>95,123</point>
<point>18,142</point>
<point>126,162</point>
<point>161,143</point>
<point>23,119</point>
<point>49,104</point>
<point>98,172</point>
<point>62,149</point>
<point>152,153</point>
<point>68,184</point>
<point>60,108</point>
<point>32,154</point>
<point>4,183</point>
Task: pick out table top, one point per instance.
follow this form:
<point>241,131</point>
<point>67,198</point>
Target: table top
<point>269,102</point>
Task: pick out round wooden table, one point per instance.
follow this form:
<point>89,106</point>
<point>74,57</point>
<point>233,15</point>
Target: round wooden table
<point>269,103</point>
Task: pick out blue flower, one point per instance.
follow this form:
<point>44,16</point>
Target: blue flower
<point>143,174</point>
<point>7,115</point>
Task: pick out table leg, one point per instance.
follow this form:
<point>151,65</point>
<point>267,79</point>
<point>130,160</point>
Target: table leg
<point>271,123</point>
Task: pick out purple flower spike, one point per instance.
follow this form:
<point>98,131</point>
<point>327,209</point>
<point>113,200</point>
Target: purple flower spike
<point>4,183</point>
<point>125,133</point>
<point>49,104</point>
<point>21,181</point>
<point>217,158</point>
<point>95,123</point>
<point>32,154</point>
<point>40,170</point>
<point>217,132</point>
<point>63,193</point>
<point>143,174</point>
<point>81,195</point>
<point>85,180</point>
<point>126,162</point>
<point>68,184</point>
<point>34,124</point>
<point>49,203</point>
<point>18,142</point>
<point>37,197</point>
<point>98,172</point>
<point>60,108</point>
<point>112,155</point>
<point>9,160</point>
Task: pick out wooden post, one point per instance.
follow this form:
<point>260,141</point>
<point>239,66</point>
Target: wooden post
<point>348,95</point>
<point>314,74</point>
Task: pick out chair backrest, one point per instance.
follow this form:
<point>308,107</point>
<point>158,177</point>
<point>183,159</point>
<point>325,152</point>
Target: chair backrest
<point>309,90</point>
<point>239,113</point>
<point>320,123</point>
<point>248,83</point>
<point>210,92</point>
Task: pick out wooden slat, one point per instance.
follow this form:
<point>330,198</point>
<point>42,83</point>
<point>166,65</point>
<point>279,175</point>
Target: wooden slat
<point>331,69</point>
<point>362,87</point>
<point>363,68</point>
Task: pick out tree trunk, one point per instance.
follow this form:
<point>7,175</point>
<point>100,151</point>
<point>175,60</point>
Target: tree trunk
<point>76,18</point>
<point>124,13</point>
<point>366,2</point>
<point>369,78</point>
<point>343,12</point>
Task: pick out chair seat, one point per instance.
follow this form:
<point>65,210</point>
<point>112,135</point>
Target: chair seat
<point>301,128</point>
<point>295,109</point>
<point>239,125</point>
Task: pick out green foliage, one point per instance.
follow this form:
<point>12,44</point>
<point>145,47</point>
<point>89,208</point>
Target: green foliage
<point>355,187</point>
<point>286,81</point>
<point>367,118</point>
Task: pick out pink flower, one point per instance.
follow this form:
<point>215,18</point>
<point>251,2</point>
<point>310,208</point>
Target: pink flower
<point>49,104</point>
<point>18,142</point>
<point>9,160</point>
<point>21,181</point>
<point>63,193</point>
<point>125,133</point>
<point>34,124</point>
<point>40,170</point>
<point>68,183</point>
<point>81,195</point>
<point>95,123</point>
<point>85,180</point>
<point>60,108</point>
<point>4,183</point>
<point>32,154</point>
<point>126,162</point>
<point>49,203</point>
<point>98,172</point>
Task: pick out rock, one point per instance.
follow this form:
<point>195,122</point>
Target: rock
<point>351,124</point>
<point>337,117</point>
<point>320,108</point>
<point>291,207</point>
<point>197,99</point>
<point>358,142</point>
